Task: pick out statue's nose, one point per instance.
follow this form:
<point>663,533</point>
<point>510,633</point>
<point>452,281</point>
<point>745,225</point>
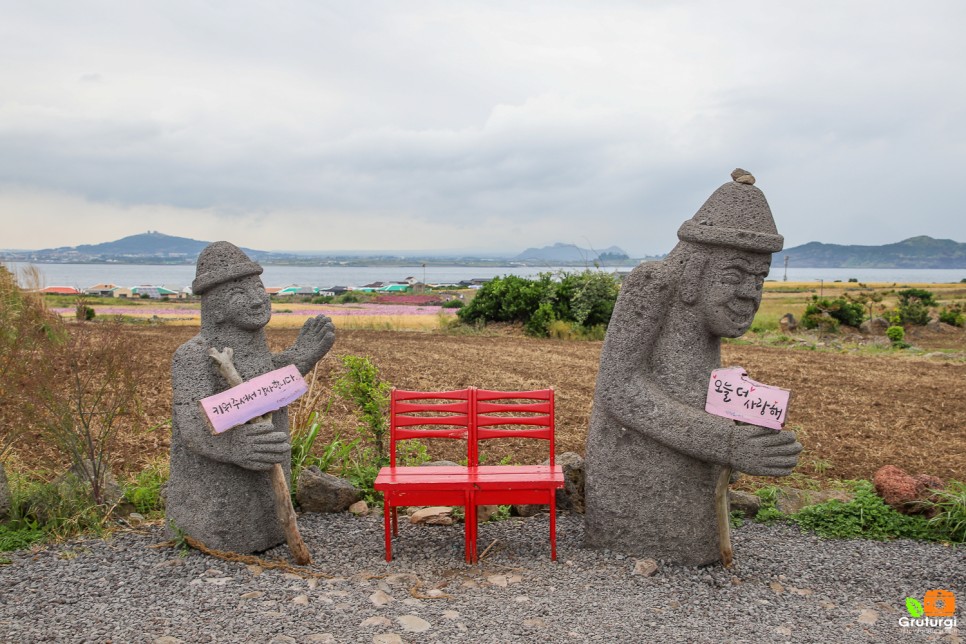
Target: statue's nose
<point>749,289</point>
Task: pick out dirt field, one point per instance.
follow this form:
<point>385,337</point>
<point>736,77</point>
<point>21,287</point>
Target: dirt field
<point>853,412</point>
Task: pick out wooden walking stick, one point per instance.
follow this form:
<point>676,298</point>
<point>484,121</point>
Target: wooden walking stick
<point>723,510</point>
<point>283,499</point>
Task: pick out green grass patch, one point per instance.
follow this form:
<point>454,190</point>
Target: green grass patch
<point>867,516</point>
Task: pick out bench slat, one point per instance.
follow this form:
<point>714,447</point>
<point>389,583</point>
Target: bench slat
<point>489,408</point>
<point>409,407</point>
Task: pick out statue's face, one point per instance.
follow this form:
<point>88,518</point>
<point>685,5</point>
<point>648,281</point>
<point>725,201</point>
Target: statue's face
<point>247,305</point>
<point>732,293</point>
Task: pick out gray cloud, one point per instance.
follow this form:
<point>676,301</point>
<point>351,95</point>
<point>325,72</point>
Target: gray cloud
<point>509,124</point>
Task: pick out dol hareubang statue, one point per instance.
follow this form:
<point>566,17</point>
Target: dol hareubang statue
<point>219,490</point>
<point>653,454</point>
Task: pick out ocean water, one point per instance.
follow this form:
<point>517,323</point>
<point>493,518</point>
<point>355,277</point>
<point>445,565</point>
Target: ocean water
<point>83,276</point>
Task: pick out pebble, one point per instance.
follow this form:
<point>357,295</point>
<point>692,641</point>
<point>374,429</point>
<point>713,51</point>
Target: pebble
<point>413,623</point>
<point>380,598</point>
<point>376,620</point>
<point>387,638</point>
<point>517,595</point>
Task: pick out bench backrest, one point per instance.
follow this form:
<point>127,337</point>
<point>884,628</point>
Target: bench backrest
<point>429,414</point>
<point>470,414</point>
<point>494,411</point>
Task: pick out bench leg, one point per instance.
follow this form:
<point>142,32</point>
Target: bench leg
<point>395,520</point>
<point>386,512</point>
<point>553,525</point>
<point>469,527</point>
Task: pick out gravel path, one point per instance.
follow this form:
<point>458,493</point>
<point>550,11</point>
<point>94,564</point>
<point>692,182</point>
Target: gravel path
<point>785,586</point>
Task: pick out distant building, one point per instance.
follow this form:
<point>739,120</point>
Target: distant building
<point>395,288</point>
<point>151,292</point>
<point>102,290</point>
<point>60,290</point>
<point>289,291</point>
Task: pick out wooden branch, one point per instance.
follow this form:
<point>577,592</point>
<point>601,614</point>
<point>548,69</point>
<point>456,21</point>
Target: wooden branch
<point>283,495</point>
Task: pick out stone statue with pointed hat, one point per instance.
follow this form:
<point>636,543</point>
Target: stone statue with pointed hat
<point>653,454</point>
<point>219,490</point>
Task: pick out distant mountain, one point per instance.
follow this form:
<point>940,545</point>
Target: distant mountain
<point>149,247</point>
<point>915,252</point>
<point>569,253</point>
<point>149,243</point>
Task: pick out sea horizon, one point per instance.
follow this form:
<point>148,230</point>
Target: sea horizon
<point>83,276</point>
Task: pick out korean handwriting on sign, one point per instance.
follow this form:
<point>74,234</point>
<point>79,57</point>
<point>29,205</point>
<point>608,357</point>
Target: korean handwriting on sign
<point>732,394</point>
<point>726,388</point>
<point>225,406</point>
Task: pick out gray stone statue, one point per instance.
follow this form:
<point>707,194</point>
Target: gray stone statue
<point>219,491</point>
<point>653,454</point>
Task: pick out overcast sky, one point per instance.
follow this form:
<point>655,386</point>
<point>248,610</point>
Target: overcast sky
<point>321,125</point>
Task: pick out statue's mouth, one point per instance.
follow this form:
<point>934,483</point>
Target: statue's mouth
<point>741,312</point>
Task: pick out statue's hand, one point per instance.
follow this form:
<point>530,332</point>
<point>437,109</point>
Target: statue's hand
<point>763,452</point>
<point>258,446</point>
<point>316,337</point>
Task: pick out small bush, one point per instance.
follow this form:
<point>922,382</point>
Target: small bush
<point>928,298</point>
<point>866,516</point>
<point>953,315</point>
<point>913,307</point>
<point>144,490</point>
<point>361,385</point>
<point>950,504</point>
<point>539,323</point>
<point>59,509</point>
<point>84,313</point>
<point>821,312</point>
<point>897,336</point>
<point>453,304</point>
<point>348,298</point>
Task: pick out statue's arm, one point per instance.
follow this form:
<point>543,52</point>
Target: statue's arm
<point>255,446</point>
<point>629,393</point>
<point>315,339</point>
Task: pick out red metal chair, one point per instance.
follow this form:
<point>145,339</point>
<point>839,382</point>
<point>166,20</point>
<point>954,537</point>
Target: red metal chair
<point>515,414</point>
<point>422,415</point>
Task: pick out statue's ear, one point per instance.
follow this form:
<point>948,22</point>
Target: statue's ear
<point>689,288</point>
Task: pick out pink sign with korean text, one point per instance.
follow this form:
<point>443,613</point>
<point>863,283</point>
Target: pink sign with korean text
<point>732,394</point>
<point>253,398</point>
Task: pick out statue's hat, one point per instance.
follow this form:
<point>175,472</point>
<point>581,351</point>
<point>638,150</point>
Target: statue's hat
<point>736,215</point>
<point>221,262</point>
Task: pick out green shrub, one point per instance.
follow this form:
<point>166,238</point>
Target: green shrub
<point>913,307</point>
<point>585,299</point>
<point>507,299</point>
<point>453,304</point>
<point>84,313</point>
<point>953,315</point>
<point>19,537</point>
<point>897,336</point>
<point>361,385</point>
<point>349,298</point>
<point>927,298</point>
<point>866,516</point>
<point>144,490</point>
<point>539,323</point>
<point>950,505</point>
<point>59,509</point>
<point>827,313</point>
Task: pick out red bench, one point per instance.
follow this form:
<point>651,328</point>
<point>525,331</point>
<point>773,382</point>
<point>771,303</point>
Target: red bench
<point>474,415</point>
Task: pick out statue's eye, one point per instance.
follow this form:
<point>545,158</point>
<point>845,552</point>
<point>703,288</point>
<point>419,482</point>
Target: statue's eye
<point>731,277</point>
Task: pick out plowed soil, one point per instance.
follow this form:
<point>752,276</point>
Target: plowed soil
<point>853,412</point>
